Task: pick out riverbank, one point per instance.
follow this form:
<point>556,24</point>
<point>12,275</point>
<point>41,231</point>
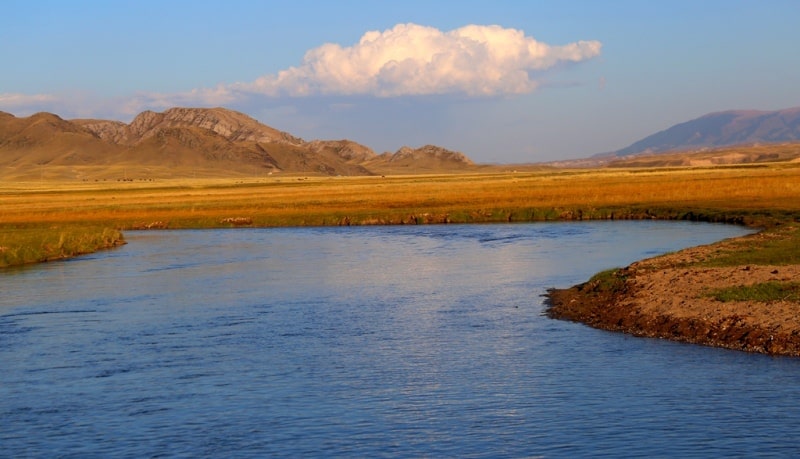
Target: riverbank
<point>43,217</point>
<point>668,297</point>
<point>687,296</point>
<point>23,246</point>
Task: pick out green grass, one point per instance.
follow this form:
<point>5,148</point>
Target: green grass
<point>763,293</point>
<point>610,280</point>
<point>780,246</point>
<point>19,246</point>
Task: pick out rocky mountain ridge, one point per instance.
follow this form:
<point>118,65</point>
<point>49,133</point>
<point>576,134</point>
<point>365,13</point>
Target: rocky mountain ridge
<point>200,138</point>
<point>232,125</point>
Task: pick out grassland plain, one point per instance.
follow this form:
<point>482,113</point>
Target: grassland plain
<point>33,213</point>
<point>42,220</point>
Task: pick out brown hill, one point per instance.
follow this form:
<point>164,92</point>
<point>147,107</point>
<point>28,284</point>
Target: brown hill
<point>188,141</point>
<point>45,139</point>
<point>426,159</point>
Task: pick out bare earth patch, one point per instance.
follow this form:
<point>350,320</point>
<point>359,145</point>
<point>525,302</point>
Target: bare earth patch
<point>662,297</point>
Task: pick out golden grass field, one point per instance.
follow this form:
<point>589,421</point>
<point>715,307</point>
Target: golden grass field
<point>43,219</point>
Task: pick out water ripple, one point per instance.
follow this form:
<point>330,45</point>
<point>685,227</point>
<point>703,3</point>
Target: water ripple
<point>367,342</point>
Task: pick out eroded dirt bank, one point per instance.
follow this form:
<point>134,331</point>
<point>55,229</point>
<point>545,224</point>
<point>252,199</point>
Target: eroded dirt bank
<point>665,297</point>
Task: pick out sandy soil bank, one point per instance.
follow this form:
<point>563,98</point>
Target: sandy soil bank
<point>664,297</point>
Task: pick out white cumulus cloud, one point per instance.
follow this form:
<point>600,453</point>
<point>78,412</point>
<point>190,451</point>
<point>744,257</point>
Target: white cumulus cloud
<point>406,60</point>
<point>411,59</point>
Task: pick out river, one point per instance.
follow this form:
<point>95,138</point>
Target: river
<point>405,341</point>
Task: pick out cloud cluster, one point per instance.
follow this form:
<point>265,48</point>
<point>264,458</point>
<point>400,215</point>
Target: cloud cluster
<point>10,100</point>
<point>411,59</point>
<point>406,60</point>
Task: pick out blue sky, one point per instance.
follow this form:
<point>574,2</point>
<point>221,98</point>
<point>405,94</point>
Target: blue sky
<point>501,81</point>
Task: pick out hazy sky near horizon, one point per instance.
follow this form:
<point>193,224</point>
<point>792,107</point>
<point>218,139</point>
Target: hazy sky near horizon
<point>501,81</point>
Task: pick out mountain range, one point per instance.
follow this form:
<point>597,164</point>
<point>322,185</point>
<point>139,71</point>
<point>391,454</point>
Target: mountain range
<point>722,129</point>
<point>217,142</point>
<point>196,141</point>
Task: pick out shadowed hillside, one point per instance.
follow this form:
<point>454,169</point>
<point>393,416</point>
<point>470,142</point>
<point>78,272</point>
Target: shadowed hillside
<point>722,129</point>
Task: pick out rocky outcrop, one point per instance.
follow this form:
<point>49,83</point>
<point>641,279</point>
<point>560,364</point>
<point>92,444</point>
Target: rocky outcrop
<point>229,124</point>
<point>346,149</point>
<point>426,159</point>
<point>111,131</point>
<point>232,125</point>
<point>429,153</point>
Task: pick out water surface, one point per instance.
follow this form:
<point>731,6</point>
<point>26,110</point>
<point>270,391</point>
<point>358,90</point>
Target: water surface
<point>421,341</point>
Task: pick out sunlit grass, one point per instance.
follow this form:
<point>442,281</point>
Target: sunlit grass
<point>30,245</point>
<point>749,195</point>
<point>489,197</point>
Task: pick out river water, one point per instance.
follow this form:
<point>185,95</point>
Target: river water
<point>423,341</point>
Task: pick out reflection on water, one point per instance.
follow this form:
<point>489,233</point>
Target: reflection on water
<point>385,341</point>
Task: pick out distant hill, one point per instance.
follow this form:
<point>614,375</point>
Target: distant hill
<point>739,154</point>
<point>426,159</point>
<point>191,141</point>
<point>738,127</point>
